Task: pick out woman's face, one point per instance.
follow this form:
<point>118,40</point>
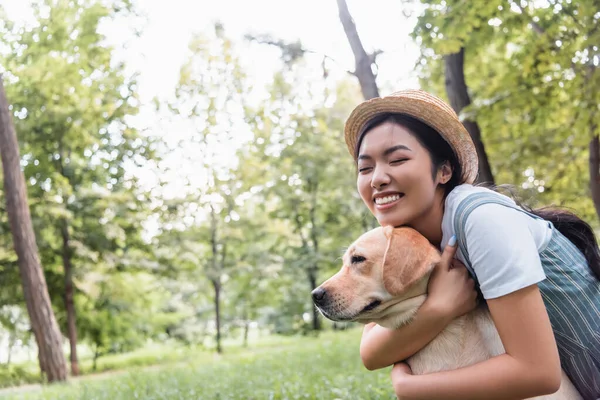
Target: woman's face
<point>395,177</point>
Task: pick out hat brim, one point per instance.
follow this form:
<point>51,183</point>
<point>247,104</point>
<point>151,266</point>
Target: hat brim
<point>439,116</point>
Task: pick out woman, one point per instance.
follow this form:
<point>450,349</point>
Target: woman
<point>539,272</point>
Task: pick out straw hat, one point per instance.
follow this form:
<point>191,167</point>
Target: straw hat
<point>428,109</point>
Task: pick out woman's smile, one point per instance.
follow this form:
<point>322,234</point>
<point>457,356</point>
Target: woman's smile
<point>387,200</point>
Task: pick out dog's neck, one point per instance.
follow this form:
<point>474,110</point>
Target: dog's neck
<point>399,310</point>
<point>399,313</point>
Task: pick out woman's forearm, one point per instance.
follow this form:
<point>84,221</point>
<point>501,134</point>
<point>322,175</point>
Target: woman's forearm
<point>381,347</point>
<point>530,367</point>
<point>501,377</point>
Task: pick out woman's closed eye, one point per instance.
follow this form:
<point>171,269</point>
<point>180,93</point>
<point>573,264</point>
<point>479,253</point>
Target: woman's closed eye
<point>368,168</point>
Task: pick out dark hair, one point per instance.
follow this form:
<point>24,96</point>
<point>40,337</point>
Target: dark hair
<point>570,225</point>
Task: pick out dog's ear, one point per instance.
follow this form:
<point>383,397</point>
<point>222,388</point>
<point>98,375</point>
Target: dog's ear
<point>408,258</point>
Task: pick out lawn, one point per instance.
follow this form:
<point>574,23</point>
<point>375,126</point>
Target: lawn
<point>326,367</point>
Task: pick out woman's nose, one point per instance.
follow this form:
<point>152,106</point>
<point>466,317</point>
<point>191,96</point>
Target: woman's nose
<point>379,178</point>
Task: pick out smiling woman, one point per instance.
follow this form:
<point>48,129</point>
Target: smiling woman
<point>538,271</point>
<point>402,153</point>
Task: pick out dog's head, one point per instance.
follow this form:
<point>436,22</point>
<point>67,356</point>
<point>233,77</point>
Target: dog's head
<point>383,278</point>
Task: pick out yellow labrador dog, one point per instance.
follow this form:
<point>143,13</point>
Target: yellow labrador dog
<point>384,280</point>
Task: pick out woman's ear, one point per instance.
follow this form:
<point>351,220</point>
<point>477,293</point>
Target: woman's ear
<point>445,173</point>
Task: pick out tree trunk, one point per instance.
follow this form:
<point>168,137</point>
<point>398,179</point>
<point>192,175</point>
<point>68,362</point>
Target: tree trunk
<point>594,164</point>
<point>217,287</point>
<point>246,329</point>
<point>96,356</point>
<point>594,146</point>
<point>35,290</point>
<point>68,297</point>
<point>363,61</point>
<point>312,279</point>
<point>11,343</point>
<point>214,274</point>
<point>456,89</point>
<point>246,326</point>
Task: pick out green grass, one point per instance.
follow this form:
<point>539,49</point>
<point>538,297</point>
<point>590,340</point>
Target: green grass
<point>158,354</point>
<point>162,354</point>
<point>326,367</point>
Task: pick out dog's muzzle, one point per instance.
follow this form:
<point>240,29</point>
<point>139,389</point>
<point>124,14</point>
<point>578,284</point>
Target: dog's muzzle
<point>319,296</point>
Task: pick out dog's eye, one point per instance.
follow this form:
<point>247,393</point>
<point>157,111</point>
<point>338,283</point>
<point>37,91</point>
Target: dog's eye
<point>357,259</point>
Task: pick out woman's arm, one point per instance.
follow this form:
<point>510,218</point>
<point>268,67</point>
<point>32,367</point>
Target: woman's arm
<point>505,258</point>
<point>381,347</point>
<point>530,367</point>
<point>451,294</point>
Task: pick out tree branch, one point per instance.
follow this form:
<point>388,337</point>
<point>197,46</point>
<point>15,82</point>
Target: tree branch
<point>536,27</point>
<point>363,61</point>
<point>291,51</point>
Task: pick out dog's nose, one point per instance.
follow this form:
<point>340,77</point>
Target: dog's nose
<point>318,295</point>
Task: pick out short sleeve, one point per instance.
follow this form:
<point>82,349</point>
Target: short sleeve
<point>502,250</point>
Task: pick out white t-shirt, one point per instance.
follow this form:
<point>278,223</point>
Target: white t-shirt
<point>503,243</point>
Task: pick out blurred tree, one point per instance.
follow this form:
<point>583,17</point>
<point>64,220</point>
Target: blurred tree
<point>304,172</point>
<point>125,310</point>
<point>209,96</point>
<point>71,101</point>
<point>47,335</point>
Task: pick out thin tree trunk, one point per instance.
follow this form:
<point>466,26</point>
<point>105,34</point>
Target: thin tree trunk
<point>217,288</point>
<point>215,274</point>
<point>68,297</point>
<point>11,344</point>
<point>96,356</point>
<point>456,89</point>
<point>594,163</point>
<point>594,146</point>
<point>246,320</point>
<point>35,290</point>
<point>363,61</point>
<point>246,330</point>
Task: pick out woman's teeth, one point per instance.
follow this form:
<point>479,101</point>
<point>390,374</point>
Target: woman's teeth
<point>387,199</point>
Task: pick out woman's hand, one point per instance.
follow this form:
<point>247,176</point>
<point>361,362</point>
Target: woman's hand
<point>400,372</point>
<point>451,290</point>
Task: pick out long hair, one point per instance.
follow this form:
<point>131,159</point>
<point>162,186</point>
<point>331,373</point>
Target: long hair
<point>576,230</point>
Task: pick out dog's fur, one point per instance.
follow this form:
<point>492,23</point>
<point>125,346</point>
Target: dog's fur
<point>395,272</point>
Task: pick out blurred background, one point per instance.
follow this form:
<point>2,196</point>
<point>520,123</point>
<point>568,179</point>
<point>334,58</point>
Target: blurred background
<point>189,184</point>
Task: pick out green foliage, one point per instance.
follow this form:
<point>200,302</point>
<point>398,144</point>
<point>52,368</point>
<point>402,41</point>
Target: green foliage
<point>124,312</point>
<point>301,170</point>
<point>72,103</point>
<point>532,74</point>
<point>202,236</point>
<point>16,375</point>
